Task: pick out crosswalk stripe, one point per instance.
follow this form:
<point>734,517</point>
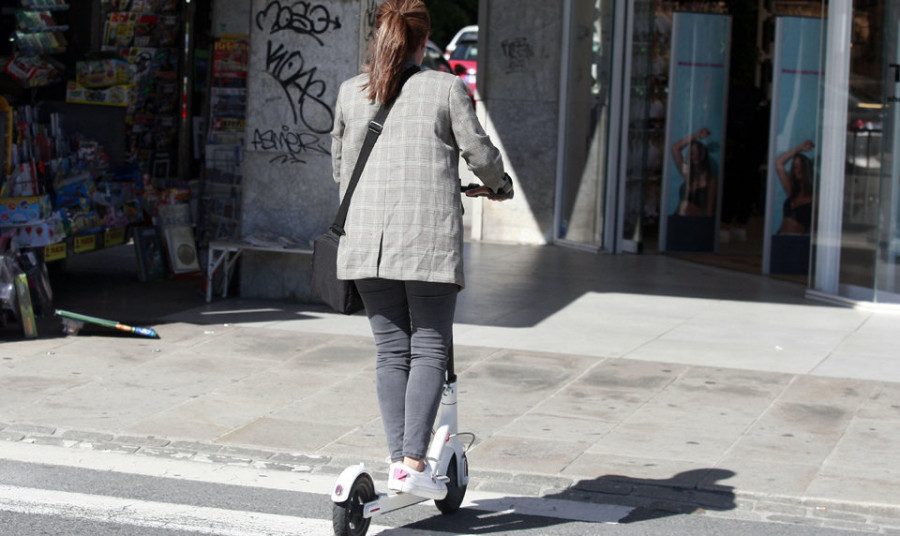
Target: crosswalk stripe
<point>196,471</point>
<point>159,515</point>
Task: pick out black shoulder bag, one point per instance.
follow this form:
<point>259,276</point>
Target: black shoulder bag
<point>341,295</point>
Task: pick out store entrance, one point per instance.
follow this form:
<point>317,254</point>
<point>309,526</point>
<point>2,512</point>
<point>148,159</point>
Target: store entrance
<point>870,219</point>
<point>699,177</point>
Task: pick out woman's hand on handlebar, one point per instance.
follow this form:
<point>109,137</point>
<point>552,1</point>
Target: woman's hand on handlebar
<point>475,190</point>
<point>483,191</point>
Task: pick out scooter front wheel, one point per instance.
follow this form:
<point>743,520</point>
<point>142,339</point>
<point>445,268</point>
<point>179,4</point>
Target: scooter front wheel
<point>347,517</point>
<point>455,491</point>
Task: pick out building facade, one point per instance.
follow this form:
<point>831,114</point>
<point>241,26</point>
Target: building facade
<point>762,131</point>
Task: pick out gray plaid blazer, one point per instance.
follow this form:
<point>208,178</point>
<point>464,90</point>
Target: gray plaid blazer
<point>405,218</point>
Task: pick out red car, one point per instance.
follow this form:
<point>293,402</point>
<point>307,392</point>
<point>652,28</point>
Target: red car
<point>464,61</point>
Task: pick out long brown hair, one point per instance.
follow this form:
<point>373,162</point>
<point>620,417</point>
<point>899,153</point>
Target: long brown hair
<point>401,26</point>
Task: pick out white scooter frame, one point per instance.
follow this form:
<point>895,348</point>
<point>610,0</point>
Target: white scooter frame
<point>355,499</point>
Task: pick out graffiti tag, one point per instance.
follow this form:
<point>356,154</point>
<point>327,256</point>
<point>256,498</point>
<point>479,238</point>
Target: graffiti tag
<point>300,17</point>
<point>304,92</point>
<point>517,52</point>
<point>292,145</point>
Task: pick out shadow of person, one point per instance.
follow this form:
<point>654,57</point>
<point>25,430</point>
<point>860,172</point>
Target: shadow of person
<point>683,493</point>
<point>609,499</point>
<point>509,514</point>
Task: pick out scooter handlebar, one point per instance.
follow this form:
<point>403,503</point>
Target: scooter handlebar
<point>506,192</point>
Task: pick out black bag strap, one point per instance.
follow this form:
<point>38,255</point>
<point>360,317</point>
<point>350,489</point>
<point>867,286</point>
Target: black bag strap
<point>375,127</point>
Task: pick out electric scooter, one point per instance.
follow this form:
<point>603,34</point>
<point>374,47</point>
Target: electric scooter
<point>356,501</point>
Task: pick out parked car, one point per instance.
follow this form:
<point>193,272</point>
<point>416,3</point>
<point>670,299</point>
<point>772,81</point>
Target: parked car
<point>467,33</point>
<point>434,59</point>
<point>464,61</point>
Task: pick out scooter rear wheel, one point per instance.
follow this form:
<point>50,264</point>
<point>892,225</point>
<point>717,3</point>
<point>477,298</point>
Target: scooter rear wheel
<point>455,492</point>
<point>347,517</point>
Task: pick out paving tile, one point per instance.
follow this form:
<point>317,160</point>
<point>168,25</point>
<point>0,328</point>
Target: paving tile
<point>249,343</point>
<point>31,347</point>
<point>660,437</point>
<point>780,315</point>
<point>769,477</point>
<point>341,355</point>
<point>883,403</point>
<point>864,363</point>
<point>590,468</point>
<point>117,401</point>
<point>296,436</point>
<point>866,441</point>
<point>760,353</point>
<point>280,384</point>
<point>805,424</point>
<point>205,418</point>
<point>86,358</point>
<point>348,402</point>
<point>19,394</point>
<point>366,443</point>
<point>521,377</point>
<point>525,455</point>
<point>604,405</point>
<point>855,489</point>
<point>556,428</point>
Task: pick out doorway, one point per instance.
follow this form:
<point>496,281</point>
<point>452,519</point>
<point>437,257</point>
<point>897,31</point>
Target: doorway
<point>627,134</point>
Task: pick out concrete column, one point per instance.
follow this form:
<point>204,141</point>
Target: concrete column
<point>518,104</point>
<point>300,52</point>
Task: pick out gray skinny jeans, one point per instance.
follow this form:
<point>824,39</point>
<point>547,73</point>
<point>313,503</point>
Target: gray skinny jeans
<point>412,323</point>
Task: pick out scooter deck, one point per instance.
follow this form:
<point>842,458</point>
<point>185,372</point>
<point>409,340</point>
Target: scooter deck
<point>388,502</point>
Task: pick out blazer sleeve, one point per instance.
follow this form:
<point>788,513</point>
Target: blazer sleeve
<point>337,136</point>
<point>481,156</point>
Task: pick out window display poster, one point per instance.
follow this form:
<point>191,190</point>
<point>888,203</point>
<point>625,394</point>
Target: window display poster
<point>796,85</point>
<point>695,131</point>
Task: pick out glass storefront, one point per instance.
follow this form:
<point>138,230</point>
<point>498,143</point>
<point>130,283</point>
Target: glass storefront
<point>792,191</point>
<point>870,243</point>
<point>642,150</point>
<point>581,210</point>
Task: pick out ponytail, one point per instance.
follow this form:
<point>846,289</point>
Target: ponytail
<point>401,26</point>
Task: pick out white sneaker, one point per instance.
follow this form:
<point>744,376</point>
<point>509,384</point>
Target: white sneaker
<point>404,479</point>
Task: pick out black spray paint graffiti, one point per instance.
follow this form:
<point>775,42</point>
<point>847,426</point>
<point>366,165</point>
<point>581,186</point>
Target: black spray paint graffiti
<point>292,145</point>
<point>304,92</point>
<point>299,17</point>
<point>518,52</point>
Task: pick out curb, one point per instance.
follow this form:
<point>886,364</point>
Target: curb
<point>648,501</point>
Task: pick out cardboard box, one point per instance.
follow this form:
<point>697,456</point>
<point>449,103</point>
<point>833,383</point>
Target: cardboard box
<point>27,209</point>
<point>102,73</point>
<point>42,233</point>
<point>112,96</point>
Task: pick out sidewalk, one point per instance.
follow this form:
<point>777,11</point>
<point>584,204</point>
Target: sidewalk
<point>641,380</point>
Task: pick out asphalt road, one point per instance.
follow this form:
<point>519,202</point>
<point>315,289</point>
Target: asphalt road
<point>99,495</point>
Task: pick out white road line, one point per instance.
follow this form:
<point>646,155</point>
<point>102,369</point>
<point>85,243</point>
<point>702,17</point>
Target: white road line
<point>215,473</point>
<point>148,514</point>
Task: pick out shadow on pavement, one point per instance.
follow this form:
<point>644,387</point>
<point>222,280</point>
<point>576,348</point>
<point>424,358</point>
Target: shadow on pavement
<point>507,286</point>
<point>683,493</point>
<point>613,499</point>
